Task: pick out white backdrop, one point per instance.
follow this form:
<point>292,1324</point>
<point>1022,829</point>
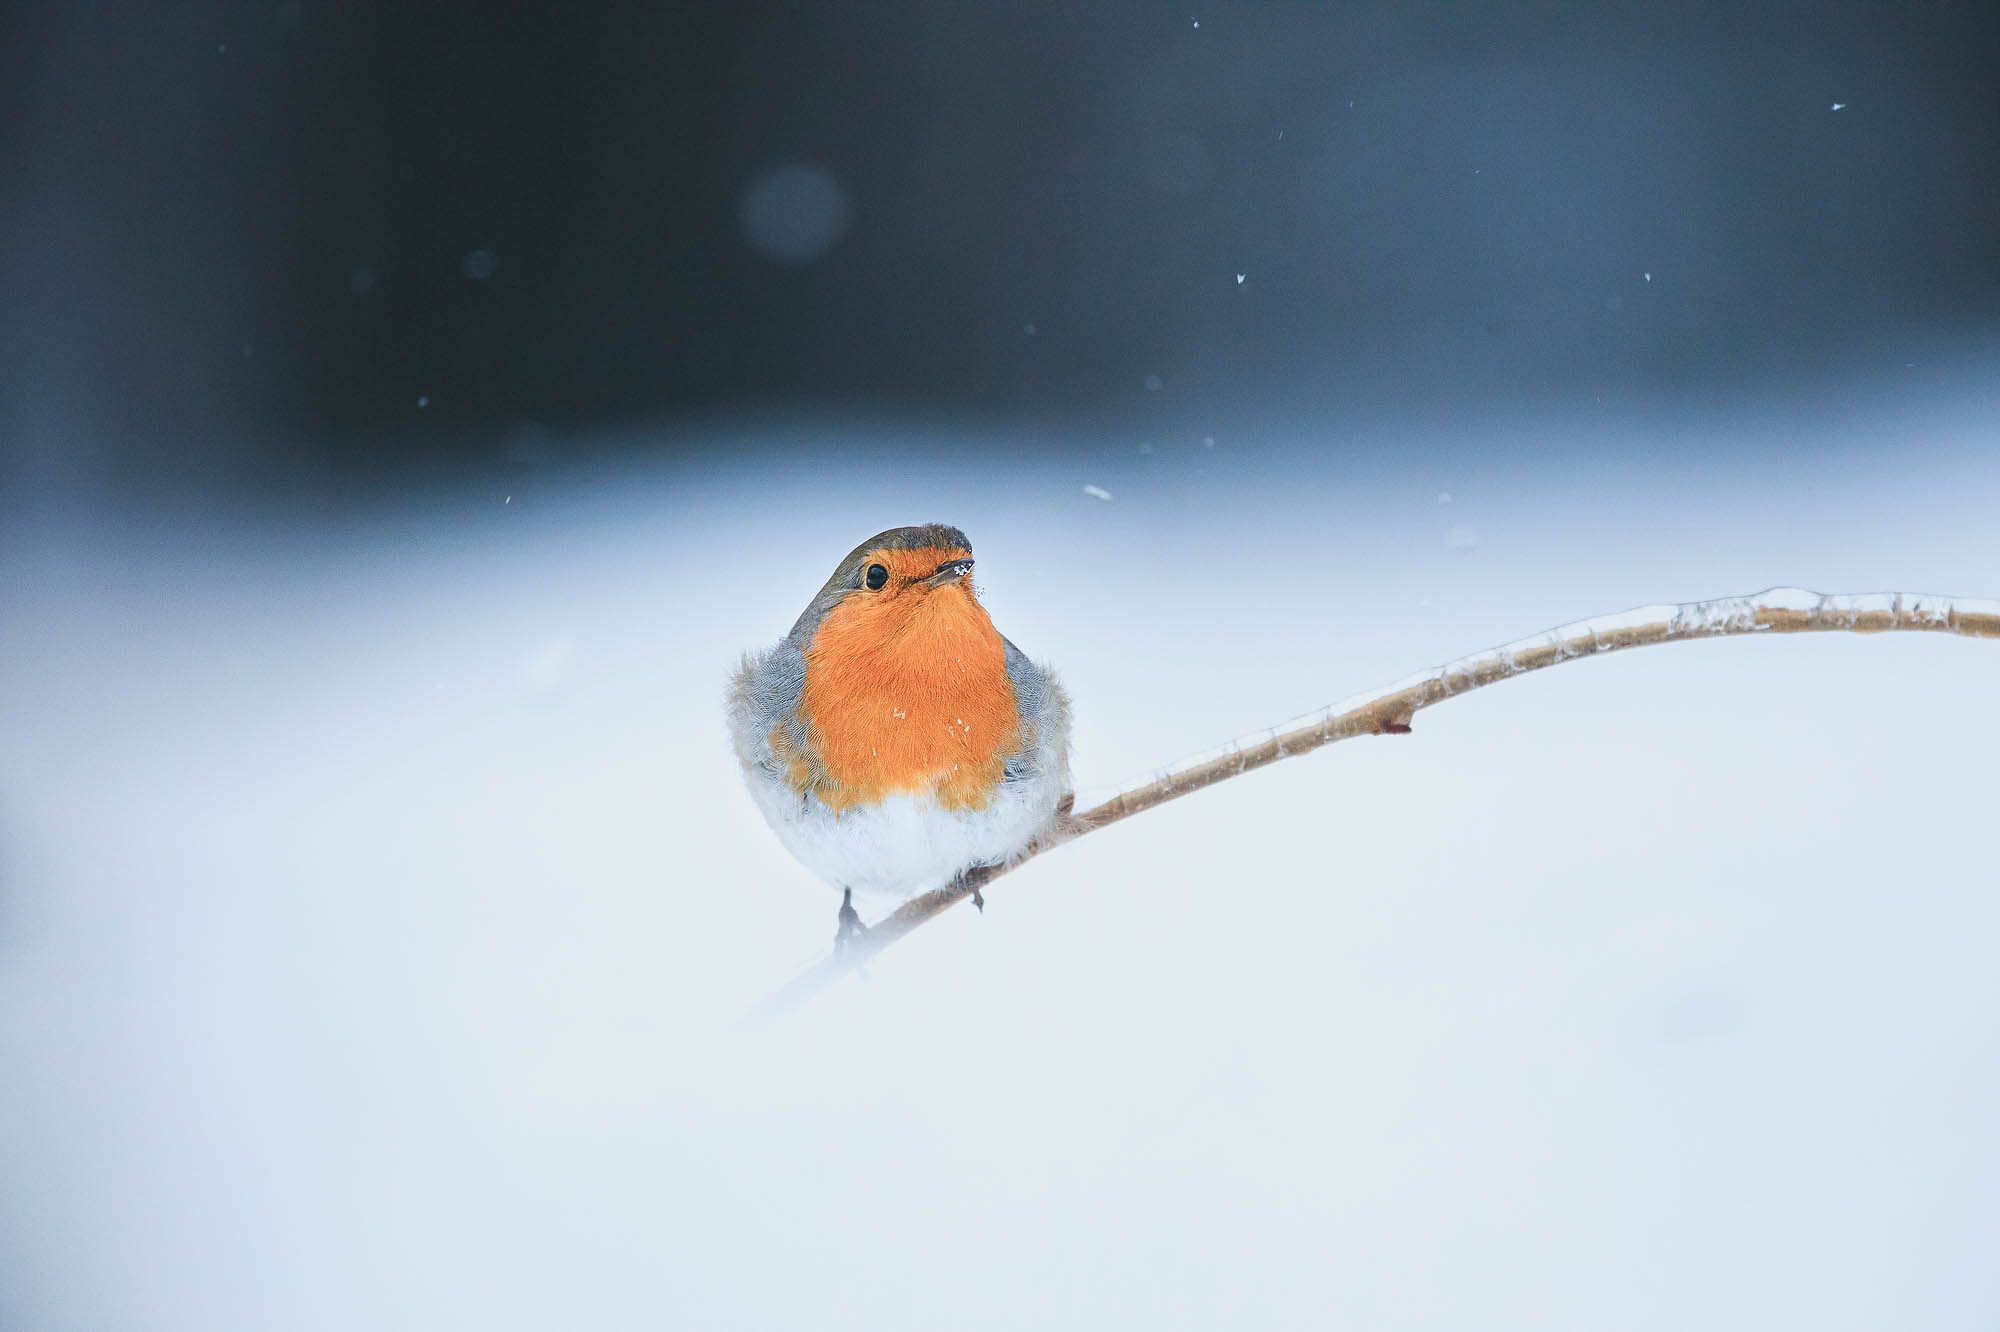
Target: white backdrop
<point>379,904</point>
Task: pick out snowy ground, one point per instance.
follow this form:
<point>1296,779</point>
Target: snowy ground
<point>379,904</point>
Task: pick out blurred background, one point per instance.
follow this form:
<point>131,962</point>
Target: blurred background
<point>264,241</point>
<point>408,413</point>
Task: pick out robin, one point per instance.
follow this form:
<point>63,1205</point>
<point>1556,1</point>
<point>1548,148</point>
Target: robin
<point>894,738</point>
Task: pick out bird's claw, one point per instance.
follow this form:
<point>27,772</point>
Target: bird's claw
<point>850,926</point>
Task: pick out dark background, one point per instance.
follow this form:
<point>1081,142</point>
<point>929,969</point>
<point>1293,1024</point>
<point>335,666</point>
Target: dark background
<point>241,238</point>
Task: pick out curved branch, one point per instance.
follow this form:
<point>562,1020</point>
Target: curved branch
<point>1388,711</point>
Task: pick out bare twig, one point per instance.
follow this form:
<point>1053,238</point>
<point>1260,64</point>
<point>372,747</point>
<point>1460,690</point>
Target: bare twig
<point>1388,711</point>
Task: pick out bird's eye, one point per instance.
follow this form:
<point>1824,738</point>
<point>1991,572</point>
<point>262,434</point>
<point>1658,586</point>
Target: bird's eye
<point>877,576</point>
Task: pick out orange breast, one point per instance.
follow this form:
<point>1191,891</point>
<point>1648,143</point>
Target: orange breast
<point>908,693</point>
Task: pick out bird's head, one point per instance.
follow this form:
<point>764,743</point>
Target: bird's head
<point>893,583</point>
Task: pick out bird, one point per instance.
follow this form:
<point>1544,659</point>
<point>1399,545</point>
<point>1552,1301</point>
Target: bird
<point>895,739</point>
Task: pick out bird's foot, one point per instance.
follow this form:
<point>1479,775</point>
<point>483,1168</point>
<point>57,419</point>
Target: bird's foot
<point>977,900</point>
<point>850,927</point>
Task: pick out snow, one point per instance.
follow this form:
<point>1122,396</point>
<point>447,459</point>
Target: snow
<point>549,667</point>
<point>379,905</point>
<point>1790,598</point>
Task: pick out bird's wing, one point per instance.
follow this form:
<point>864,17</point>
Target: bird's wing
<point>1044,709</point>
<point>763,704</point>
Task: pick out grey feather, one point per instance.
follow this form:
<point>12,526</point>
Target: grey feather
<point>764,694</point>
<point>1044,709</point>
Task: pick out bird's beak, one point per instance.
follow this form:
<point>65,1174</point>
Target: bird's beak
<point>950,572</point>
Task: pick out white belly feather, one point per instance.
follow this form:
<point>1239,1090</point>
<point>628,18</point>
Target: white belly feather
<point>906,844</point>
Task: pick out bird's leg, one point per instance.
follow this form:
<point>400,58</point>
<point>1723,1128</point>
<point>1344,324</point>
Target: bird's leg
<point>850,925</point>
<point>977,900</point>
